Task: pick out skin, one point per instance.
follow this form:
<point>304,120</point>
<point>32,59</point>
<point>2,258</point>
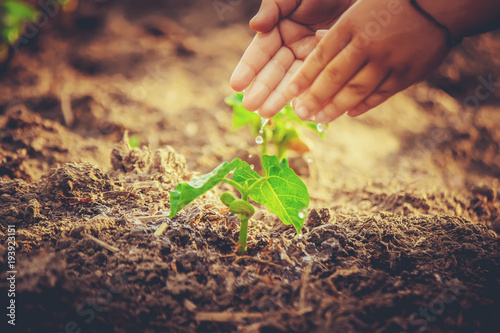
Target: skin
<point>356,65</point>
<point>285,37</point>
<point>368,53</point>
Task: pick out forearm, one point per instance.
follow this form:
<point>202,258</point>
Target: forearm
<point>464,17</point>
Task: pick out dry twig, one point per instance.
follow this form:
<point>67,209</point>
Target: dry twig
<point>102,244</point>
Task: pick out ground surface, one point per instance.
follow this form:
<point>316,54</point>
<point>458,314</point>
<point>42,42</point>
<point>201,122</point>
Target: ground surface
<point>400,237</point>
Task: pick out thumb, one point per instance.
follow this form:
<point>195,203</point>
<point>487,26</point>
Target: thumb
<point>267,17</point>
<point>270,13</point>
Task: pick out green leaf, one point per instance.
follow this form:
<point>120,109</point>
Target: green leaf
<point>134,141</point>
<point>283,193</point>
<point>13,16</point>
<point>17,11</point>
<point>289,114</point>
<point>241,116</point>
<point>11,34</point>
<point>185,193</point>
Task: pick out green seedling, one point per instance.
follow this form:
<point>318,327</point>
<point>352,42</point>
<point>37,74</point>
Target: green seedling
<point>14,15</point>
<point>134,141</point>
<point>282,129</point>
<point>279,189</point>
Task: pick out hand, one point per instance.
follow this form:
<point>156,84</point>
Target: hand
<point>376,49</point>
<point>285,36</point>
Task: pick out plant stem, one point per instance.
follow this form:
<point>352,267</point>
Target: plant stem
<point>234,184</point>
<point>243,233</point>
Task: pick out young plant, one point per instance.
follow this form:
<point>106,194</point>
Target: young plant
<point>279,189</point>
<point>281,130</point>
<point>13,16</point>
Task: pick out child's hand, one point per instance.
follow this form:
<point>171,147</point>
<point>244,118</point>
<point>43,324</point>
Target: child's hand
<point>285,36</point>
<point>376,49</point>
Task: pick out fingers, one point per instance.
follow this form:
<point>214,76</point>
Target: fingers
<point>259,52</point>
<point>390,87</point>
<point>268,79</point>
<point>278,98</point>
<point>334,76</point>
<point>299,38</point>
<point>362,85</point>
<point>326,50</point>
<point>270,12</point>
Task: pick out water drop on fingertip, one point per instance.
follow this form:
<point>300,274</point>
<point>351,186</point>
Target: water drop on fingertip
<point>263,121</point>
<point>259,140</point>
<point>321,128</point>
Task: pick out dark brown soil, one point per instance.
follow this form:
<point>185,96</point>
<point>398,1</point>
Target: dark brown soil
<point>402,231</point>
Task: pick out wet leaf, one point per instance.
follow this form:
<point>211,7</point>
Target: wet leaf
<point>15,12</point>
<point>241,116</point>
<point>284,193</point>
<point>280,190</point>
<point>185,193</point>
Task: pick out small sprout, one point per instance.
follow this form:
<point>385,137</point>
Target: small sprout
<point>14,14</point>
<point>281,131</point>
<point>242,207</point>
<point>134,141</point>
<point>279,189</point>
<point>226,198</point>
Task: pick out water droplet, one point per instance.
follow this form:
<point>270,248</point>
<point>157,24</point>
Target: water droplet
<point>310,160</point>
<point>321,127</point>
<point>259,140</point>
<point>263,122</point>
<point>302,213</point>
<point>250,156</point>
<point>252,166</point>
<point>346,113</point>
<point>300,236</point>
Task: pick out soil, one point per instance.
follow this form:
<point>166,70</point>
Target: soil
<point>402,231</point>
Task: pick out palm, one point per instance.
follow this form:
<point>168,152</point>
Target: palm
<point>276,53</point>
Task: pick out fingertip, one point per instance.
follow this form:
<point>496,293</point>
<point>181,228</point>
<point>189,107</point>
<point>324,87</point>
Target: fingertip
<point>234,84</point>
<point>241,77</point>
<point>357,111</point>
<point>321,118</point>
<point>302,112</point>
<point>266,18</point>
<point>249,103</point>
<point>268,111</point>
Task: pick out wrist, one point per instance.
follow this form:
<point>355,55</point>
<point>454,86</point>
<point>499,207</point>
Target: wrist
<point>464,18</point>
<point>451,40</point>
